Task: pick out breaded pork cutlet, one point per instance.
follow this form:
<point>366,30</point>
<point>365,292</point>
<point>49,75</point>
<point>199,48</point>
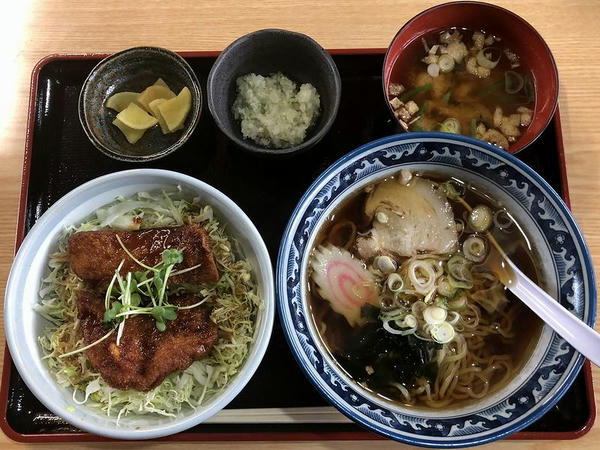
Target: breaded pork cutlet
<point>145,355</point>
<point>95,255</point>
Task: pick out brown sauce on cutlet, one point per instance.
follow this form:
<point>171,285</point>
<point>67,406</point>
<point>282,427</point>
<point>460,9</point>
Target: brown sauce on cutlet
<point>95,255</point>
<point>145,355</point>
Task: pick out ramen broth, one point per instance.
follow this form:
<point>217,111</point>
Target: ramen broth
<point>411,369</point>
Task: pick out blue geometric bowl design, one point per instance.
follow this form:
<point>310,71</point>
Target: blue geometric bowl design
<point>558,362</point>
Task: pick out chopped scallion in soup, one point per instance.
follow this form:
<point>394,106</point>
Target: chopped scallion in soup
<point>464,82</point>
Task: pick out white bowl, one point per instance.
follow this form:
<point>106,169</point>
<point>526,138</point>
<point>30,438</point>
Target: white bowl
<point>23,325</point>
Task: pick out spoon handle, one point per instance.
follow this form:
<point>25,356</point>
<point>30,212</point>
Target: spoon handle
<point>576,332</point>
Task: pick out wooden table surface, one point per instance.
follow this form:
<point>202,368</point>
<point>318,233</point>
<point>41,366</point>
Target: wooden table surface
<point>32,29</point>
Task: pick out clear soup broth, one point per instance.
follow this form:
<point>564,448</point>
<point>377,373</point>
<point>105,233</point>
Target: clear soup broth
<point>433,328</point>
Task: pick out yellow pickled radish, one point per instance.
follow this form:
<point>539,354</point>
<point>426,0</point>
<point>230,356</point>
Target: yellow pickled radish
<point>121,100</point>
<point>156,113</point>
<point>131,135</point>
<point>160,82</point>
<point>135,117</point>
<point>175,110</point>
<point>152,93</point>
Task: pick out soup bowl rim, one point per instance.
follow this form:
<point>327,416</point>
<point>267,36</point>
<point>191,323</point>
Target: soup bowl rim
<point>289,266</point>
<point>436,9</point>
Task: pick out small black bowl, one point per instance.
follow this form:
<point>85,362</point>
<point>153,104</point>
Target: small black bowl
<point>264,52</point>
<point>134,70</point>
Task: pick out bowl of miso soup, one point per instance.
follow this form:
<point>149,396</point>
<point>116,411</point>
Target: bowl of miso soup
<point>389,300</point>
<point>473,69</point>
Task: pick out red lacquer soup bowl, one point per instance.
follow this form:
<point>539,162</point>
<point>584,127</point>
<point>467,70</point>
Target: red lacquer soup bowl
<point>516,34</point>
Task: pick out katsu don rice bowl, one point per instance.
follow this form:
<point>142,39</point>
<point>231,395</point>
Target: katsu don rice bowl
<point>139,304</point>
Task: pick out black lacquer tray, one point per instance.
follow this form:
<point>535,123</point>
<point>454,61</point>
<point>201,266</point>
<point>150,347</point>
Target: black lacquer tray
<point>59,157</point>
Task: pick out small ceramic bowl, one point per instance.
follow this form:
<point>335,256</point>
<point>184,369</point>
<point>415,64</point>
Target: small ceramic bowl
<point>23,324</point>
<point>516,34</point>
<point>564,266</point>
<point>264,52</point>
<point>134,70</point>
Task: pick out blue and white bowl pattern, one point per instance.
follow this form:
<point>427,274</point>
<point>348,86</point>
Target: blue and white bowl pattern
<point>566,273</point>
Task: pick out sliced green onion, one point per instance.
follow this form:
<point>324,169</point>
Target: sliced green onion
<point>418,307</point>
<point>429,296</point>
<point>446,63</point>
<point>450,125</point>
<point>395,282</point>
<point>492,88</point>
<point>473,126</point>
<point>456,266</point>
<point>414,91</point>
<point>410,321</point>
<point>459,284</point>
<point>475,248</point>
<point>446,97</point>
<point>481,218</point>
<point>453,190</point>
<point>513,82</point>
<point>442,333</point>
<point>460,272</point>
<point>444,288</point>
<point>434,315</point>
<point>453,317</point>
<point>529,88</point>
<point>393,315</point>
<point>404,323</point>
<point>402,332</point>
<point>502,220</point>
<point>458,303</point>
<point>424,107</point>
<point>485,61</point>
<point>437,265</point>
<point>460,227</point>
<point>385,264</point>
<point>441,302</point>
<point>422,275</point>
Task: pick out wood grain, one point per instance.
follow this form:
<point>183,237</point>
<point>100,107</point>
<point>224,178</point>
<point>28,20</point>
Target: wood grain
<point>34,28</point>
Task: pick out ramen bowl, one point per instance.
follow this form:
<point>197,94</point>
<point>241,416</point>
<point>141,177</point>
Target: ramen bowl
<point>23,324</point>
<point>563,262</point>
<point>517,35</point>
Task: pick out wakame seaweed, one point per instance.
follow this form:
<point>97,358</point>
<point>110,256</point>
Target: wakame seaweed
<point>378,358</point>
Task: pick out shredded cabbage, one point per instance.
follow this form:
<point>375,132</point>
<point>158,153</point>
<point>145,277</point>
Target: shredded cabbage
<point>234,301</point>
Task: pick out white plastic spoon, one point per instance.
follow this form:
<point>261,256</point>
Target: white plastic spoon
<point>576,332</point>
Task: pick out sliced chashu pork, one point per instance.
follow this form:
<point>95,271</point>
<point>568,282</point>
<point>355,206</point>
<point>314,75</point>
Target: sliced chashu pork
<point>408,219</point>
